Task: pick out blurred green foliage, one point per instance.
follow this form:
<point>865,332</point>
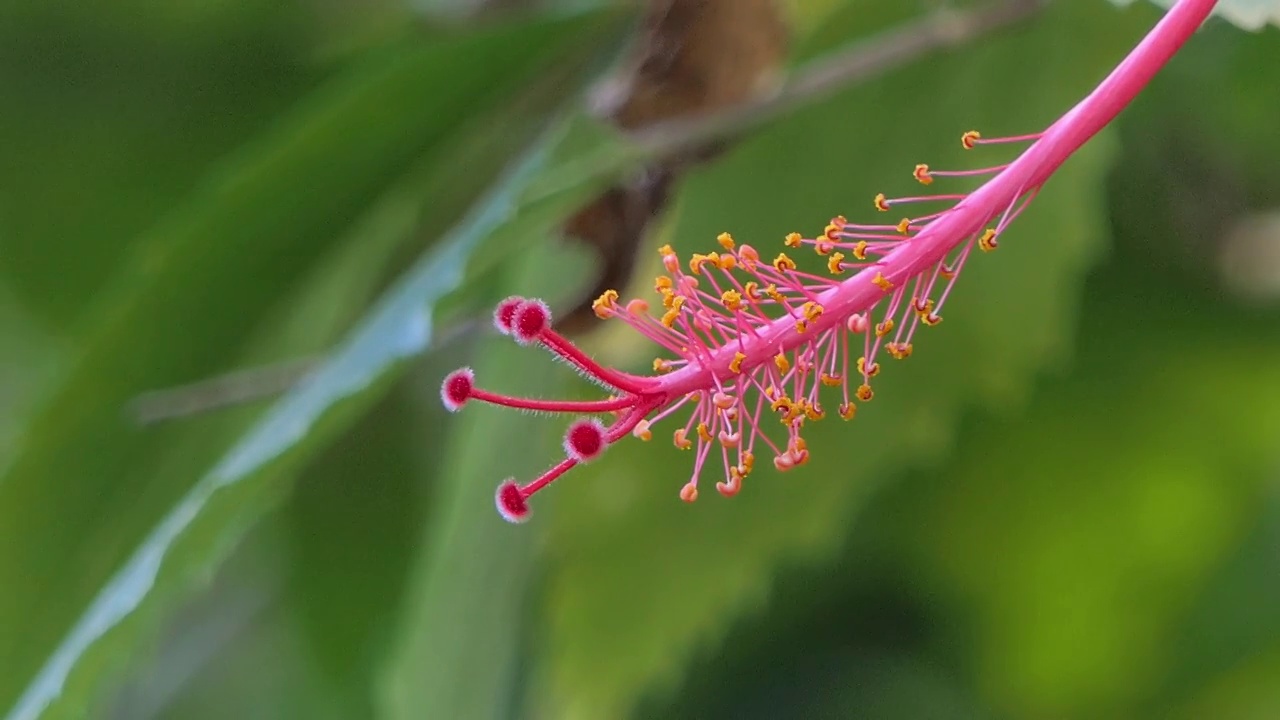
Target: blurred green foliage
<point>1064,505</point>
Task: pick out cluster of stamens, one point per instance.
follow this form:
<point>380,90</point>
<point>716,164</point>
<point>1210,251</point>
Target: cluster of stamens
<point>751,341</point>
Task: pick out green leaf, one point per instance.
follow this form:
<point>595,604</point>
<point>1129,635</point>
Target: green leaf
<point>112,116</point>
<point>1193,169</point>
<point>140,514</point>
<point>462,633</point>
<point>1077,538</point>
<point>353,524</point>
<point>644,581</point>
<point>1229,640</point>
<point>1108,553</point>
<point>1247,14</point>
<point>583,156</point>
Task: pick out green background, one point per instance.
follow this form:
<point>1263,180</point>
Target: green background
<point>1066,505</point>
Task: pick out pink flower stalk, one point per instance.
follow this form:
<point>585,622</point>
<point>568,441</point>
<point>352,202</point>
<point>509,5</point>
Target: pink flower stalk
<point>752,341</point>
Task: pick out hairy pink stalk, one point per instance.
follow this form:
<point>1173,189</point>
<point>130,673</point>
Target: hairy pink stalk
<point>755,341</point>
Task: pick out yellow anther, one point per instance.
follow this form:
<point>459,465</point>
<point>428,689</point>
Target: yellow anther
<point>696,261</point>
<point>830,380</point>
<point>680,440</point>
<point>772,291</point>
<point>921,174</point>
<point>899,351</point>
<point>823,247</point>
<point>811,311</point>
<point>662,366</point>
<point>847,410</point>
<point>735,365</point>
<point>669,317</point>
<point>782,406</point>
<point>751,290</point>
<point>864,393</point>
<point>969,139</point>
<point>904,225</point>
<point>703,433</point>
<point>797,411</point>
<point>923,309</point>
<point>668,298</point>
<point>931,319</point>
<point>835,264</point>
<point>946,272</point>
<point>884,328</point>
<point>725,240</point>
<point>732,300</point>
<point>736,474</point>
<point>662,282</point>
<point>860,250</point>
<point>814,412</point>
<point>727,262</point>
<point>606,305</point>
<point>865,371</point>
<point>988,240</point>
<point>782,263</point>
<point>882,282</point>
<point>882,203</point>
<point>748,462</point>
<point>781,361</point>
<point>666,250</point>
<point>771,392</point>
<point>792,240</point>
<point>642,431</point>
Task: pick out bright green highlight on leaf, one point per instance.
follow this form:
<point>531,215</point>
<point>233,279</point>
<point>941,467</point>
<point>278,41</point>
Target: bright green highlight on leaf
<point>342,150</point>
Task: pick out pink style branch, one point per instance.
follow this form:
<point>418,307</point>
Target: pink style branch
<point>753,344</point>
